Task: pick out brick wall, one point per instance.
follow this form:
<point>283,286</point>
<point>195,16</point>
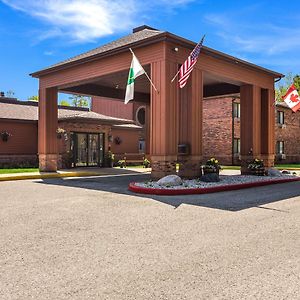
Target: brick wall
<point>289,134</point>
<point>217,129</point>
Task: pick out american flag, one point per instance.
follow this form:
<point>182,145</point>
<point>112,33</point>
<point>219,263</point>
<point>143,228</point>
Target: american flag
<point>187,67</point>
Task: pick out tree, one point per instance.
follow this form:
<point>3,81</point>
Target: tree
<point>80,101</point>
<point>64,103</point>
<point>10,94</point>
<point>33,98</point>
<point>282,88</point>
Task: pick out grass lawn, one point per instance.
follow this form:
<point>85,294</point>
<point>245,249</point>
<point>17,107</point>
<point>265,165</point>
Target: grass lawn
<point>286,166</point>
<point>231,167</point>
<point>138,166</point>
<point>12,171</point>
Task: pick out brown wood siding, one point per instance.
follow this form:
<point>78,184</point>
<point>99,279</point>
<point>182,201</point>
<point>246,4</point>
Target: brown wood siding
<point>113,108</point>
<point>214,65</point>
<point>92,70</point>
<point>23,139</point>
<point>129,138</point>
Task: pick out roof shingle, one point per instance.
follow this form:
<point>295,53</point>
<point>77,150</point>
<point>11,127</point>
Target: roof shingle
<point>29,112</point>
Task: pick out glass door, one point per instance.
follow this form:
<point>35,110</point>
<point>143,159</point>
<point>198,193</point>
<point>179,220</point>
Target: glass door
<point>93,149</point>
<point>82,150</point>
<point>101,149</point>
<point>88,149</point>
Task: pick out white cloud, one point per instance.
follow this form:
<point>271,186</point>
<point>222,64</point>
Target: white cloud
<point>263,38</point>
<point>87,20</point>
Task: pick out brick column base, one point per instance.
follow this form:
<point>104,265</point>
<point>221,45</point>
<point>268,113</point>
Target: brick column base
<point>163,166</point>
<point>48,162</point>
<point>190,167</point>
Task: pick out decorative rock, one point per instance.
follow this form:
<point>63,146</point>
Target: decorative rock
<point>274,172</point>
<point>170,180</point>
<point>211,177</point>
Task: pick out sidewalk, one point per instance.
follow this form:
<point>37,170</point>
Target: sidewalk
<point>77,172</point>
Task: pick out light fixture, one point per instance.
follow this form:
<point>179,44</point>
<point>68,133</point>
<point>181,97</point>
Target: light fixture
<point>175,49</point>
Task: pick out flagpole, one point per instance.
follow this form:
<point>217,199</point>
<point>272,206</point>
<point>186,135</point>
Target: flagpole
<point>192,51</point>
<point>175,76</point>
<point>146,74</point>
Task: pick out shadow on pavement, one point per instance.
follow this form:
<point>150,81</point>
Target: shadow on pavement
<point>229,200</point>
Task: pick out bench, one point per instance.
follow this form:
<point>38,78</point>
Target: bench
<point>133,158</point>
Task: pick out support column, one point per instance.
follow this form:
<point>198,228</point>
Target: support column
<point>163,124</point>
<point>267,127</point>
<point>250,124</point>
<point>47,126</point>
<point>190,130</point>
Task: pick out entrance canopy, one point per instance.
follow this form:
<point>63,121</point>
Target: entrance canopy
<point>176,115</point>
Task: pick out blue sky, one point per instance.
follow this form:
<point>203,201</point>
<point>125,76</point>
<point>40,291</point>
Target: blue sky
<point>36,34</point>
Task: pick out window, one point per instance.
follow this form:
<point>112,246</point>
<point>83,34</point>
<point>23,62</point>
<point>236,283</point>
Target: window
<point>280,147</point>
<point>236,110</point>
<point>280,117</point>
<point>141,115</point>
<point>141,146</point>
<point>236,146</point>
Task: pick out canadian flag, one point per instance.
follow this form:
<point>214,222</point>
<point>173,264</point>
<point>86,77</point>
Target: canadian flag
<point>292,99</point>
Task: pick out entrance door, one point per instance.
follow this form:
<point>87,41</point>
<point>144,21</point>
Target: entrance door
<point>89,149</point>
<point>82,150</point>
<point>93,149</point>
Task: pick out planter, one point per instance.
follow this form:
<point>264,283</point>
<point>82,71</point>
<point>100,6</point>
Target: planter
<point>210,171</point>
<point>257,172</point>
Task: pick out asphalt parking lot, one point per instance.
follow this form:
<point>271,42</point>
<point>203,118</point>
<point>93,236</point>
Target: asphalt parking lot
<point>90,238</point>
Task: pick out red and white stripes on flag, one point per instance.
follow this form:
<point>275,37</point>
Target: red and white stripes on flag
<point>292,99</point>
<point>187,67</point>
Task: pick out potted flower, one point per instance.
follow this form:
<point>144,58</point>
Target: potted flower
<point>211,166</point>
<point>122,163</point>
<point>109,159</point>
<point>146,163</point>
<point>256,167</point>
<point>60,132</point>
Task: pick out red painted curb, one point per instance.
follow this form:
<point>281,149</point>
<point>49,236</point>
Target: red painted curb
<point>168,192</point>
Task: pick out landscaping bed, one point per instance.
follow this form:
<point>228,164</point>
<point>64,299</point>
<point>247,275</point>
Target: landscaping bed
<point>195,186</point>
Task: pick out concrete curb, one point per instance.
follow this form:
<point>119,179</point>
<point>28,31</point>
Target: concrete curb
<point>48,175</point>
<point>172,192</point>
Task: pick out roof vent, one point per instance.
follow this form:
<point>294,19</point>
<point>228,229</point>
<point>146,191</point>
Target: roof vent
<point>140,28</point>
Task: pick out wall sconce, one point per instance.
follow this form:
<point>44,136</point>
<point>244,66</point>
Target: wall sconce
<point>175,49</point>
<point>118,140</point>
<point>5,135</point>
<point>110,138</point>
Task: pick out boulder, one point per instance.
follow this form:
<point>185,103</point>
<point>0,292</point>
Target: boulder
<point>210,177</point>
<point>170,180</point>
<point>274,172</point>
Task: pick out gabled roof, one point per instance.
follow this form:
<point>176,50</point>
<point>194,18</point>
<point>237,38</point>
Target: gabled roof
<point>142,36</point>
<point>28,111</point>
<point>139,34</point>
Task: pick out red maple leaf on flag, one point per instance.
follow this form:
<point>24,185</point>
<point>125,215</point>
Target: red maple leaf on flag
<point>294,98</point>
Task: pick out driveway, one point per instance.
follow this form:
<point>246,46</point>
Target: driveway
<point>90,238</point>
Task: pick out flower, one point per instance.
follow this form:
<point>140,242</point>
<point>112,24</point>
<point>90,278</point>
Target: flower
<point>60,130</point>
<point>256,164</point>
<point>212,163</point>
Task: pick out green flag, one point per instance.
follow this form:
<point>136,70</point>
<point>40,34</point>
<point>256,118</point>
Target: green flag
<point>135,71</point>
